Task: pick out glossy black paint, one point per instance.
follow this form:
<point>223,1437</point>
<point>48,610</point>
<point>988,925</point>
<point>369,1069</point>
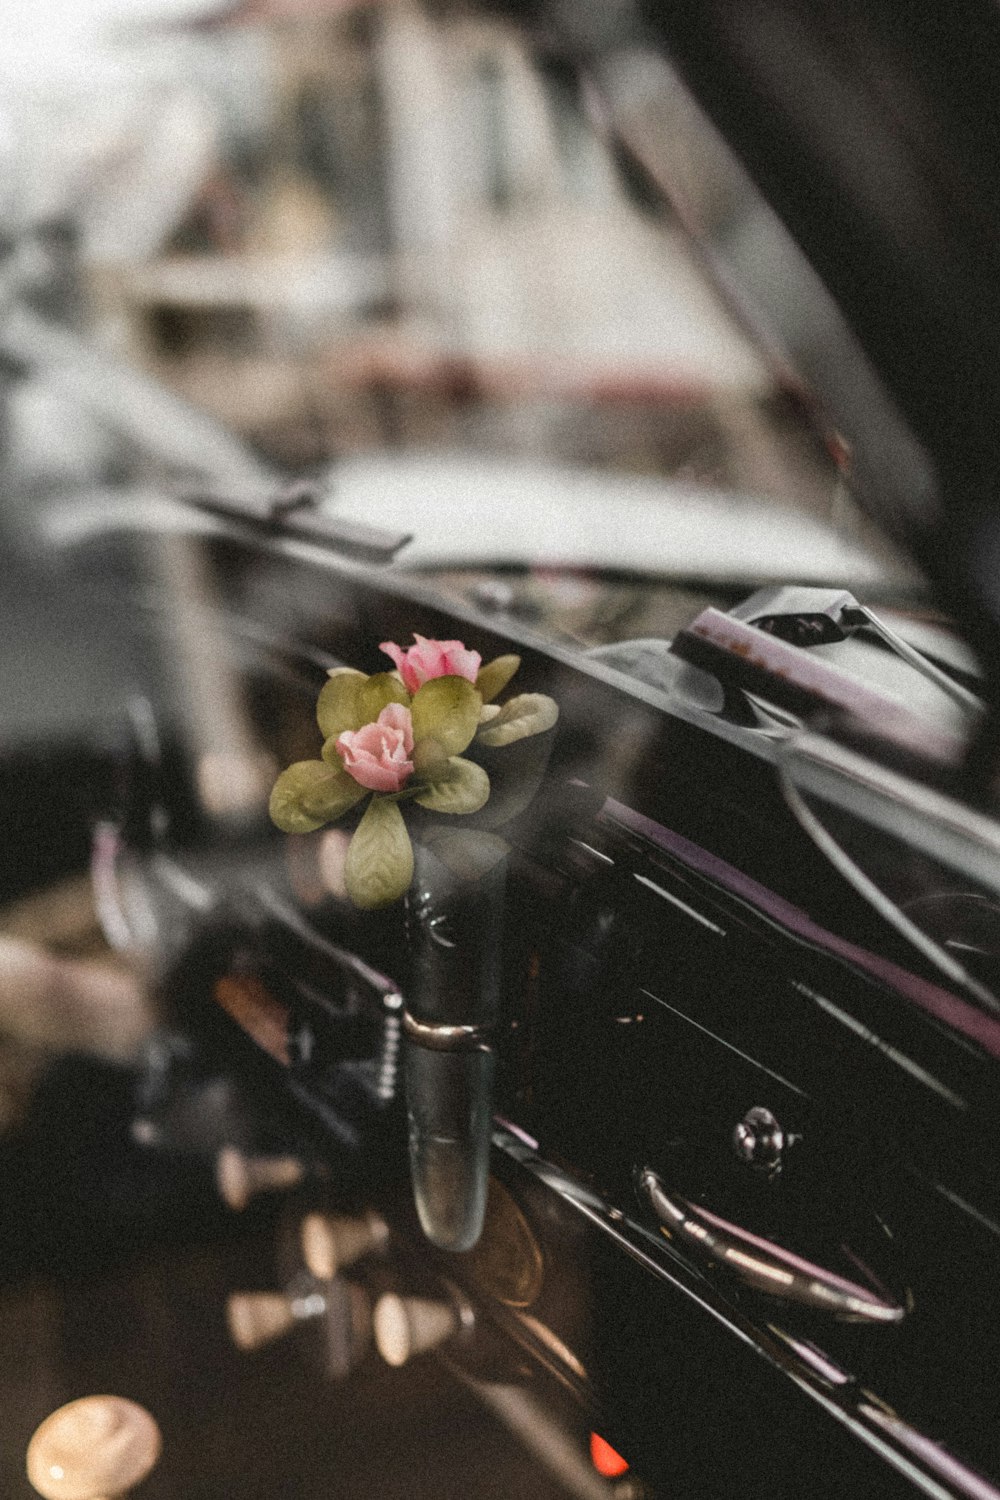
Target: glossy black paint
<point>675,953</point>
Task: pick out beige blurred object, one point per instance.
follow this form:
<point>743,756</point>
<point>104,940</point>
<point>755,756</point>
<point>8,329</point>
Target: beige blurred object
<point>331,1243</point>
<point>61,1004</point>
<point>405,1326</point>
<point>235,782</point>
<point>295,217</point>
<point>62,917</point>
<point>93,1449</point>
<point>61,989</point>
<point>239,1177</point>
<point>338,1312</point>
<point>233,773</point>
<point>258,1318</point>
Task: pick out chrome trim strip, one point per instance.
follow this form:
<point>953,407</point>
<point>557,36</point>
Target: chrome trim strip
<point>928,1466</point>
<point>438,1037</point>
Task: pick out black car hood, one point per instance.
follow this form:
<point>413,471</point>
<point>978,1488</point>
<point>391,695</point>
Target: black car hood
<point>871,134</point>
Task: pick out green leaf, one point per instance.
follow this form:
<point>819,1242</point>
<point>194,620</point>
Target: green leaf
<point>463,788</point>
<point>328,795</point>
<point>429,758</point>
<point>379,691</point>
<point>286,805</point>
<point>496,674</point>
<point>527,714</point>
<point>446,709</point>
<point>379,864</point>
<point>339,704</point>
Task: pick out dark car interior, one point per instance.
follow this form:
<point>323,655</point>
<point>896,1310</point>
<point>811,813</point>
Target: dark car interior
<point>581,1079</point>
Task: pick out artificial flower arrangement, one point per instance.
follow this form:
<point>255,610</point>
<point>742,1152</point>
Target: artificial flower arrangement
<point>399,737</point>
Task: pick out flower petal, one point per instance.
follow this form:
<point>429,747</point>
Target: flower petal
<point>378,754</point>
<point>370,771</point>
<point>396,652</point>
<point>427,659</point>
<point>458,661</point>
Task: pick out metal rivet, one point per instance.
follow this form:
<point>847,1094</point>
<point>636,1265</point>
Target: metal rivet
<point>759,1141</point>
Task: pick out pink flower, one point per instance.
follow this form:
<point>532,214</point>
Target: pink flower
<point>428,659</point>
<point>378,755</point>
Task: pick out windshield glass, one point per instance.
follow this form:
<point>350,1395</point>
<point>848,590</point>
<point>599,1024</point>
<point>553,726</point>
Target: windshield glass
<point>419,275</point>
<point>467,291</point>
<point>457,290</point>
<point>396,231</point>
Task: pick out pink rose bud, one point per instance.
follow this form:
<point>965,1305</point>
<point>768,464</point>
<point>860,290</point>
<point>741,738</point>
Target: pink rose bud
<point>428,659</point>
<point>378,755</point>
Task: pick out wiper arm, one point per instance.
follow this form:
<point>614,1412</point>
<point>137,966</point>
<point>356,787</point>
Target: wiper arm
<point>814,617</point>
<point>956,690</point>
<point>746,659</point>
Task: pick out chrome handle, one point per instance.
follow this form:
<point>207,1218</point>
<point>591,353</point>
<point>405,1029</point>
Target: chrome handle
<point>454,926</point>
<point>449,1108</point>
<point>760,1264</point>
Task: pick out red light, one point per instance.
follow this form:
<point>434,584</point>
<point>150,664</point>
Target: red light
<point>604,1458</point>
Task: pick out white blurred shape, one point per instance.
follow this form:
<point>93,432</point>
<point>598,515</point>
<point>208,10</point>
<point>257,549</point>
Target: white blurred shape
<point>50,442</point>
<point>234,783</point>
<point>467,510</point>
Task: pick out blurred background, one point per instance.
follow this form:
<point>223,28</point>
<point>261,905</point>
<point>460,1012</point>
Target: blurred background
<point>409,252</point>
<point>393,250</point>
<point>335,226</point>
